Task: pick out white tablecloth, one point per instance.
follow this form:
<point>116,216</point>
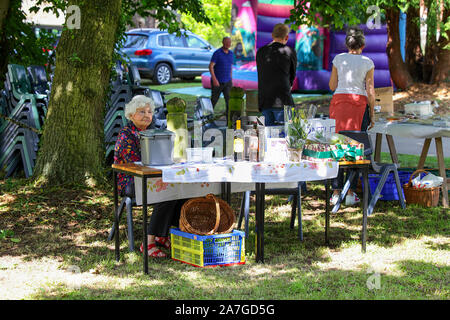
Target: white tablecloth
<point>181,181</point>
<point>410,130</point>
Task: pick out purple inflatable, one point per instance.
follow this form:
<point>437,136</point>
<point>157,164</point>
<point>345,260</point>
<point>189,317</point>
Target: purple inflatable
<point>267,13</point>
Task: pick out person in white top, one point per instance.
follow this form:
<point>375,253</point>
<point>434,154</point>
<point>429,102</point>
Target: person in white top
<point>353,85</point>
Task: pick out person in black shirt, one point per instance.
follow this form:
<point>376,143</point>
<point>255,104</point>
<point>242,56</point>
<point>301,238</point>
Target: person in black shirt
<point>276,64</point>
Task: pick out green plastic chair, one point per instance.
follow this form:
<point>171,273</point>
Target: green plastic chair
<point>19,144</point>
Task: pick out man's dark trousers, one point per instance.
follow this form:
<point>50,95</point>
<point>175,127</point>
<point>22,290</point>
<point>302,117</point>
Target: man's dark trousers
<point>216,91</point>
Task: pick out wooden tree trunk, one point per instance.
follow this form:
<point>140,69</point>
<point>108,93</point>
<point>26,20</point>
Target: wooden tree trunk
<point>431,48</point>
<point>441,70</point>
<point>413,52</point>
<point>5,10</point>
<point>4,6</point>
<point>72,149</point>
<point>399,72</point>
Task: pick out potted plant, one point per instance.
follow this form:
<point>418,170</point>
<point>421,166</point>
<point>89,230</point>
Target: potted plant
<point>297,128</point>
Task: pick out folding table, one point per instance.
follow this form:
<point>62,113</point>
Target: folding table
<point>225,173</point>
<point>418,131</point>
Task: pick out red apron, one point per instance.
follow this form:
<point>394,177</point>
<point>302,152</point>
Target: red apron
<point>348,111</point>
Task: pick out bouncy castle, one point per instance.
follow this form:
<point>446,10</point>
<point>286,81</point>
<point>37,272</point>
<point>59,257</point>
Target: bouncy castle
<point>252,24</point>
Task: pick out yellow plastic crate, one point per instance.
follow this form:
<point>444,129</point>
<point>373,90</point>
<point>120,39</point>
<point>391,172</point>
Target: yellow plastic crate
<point>208,251</point>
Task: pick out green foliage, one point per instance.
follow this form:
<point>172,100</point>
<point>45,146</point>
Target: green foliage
<point>297,128</point>
<point>176,105</point>
<point>21,45</point>
<point>326,13</point>
<point>236,92</point>
<point>8,235</point>
<point>219,13</point>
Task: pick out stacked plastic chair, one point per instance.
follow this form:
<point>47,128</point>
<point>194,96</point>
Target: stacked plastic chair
<point>24,103</point>
<point>124,87</point>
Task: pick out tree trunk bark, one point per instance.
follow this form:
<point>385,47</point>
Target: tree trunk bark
<point>4,13</point>
<point>4,6</point>
<point>72,149</point>
<point>397,67</point>
<point>431,48</point>
<point>413,52</point>
<point>441,70</point>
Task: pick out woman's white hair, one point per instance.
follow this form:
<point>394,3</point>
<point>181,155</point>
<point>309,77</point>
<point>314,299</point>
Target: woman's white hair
<point>139,101</point>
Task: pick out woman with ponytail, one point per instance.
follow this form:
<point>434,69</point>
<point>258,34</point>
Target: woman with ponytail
<point>353,99</point>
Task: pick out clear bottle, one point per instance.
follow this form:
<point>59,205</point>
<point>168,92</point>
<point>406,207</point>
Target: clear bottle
<point>238,142</point>
<point>253,145</point>
<point>247,135</point>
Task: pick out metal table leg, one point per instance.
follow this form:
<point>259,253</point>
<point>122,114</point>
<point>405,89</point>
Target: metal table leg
<point>259,221</point>
<point>327,210</point>
<point>116,218</point>
<point>365,173</point>
<point>144,214</point>
<point>299,208</point>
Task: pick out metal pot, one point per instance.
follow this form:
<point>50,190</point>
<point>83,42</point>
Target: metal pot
<point>157,147</point>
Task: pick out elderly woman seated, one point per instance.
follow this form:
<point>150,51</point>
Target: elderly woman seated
<point>127,149</point>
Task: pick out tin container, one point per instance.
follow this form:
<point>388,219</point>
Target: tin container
<point>157,147</point>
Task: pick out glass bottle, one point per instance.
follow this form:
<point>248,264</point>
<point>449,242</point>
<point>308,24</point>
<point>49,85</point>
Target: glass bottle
<point>238,142</point>
<point>253,145</point>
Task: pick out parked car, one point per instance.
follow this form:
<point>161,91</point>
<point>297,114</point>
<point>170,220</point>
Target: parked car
<point>162,56</point>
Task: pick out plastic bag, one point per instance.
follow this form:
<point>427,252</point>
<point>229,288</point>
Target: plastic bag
<point>428,181</point>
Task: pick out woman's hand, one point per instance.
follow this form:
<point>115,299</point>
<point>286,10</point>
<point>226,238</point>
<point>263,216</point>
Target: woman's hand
<point>371,125</point>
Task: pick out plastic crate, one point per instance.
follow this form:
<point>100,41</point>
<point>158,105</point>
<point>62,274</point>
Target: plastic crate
<point>208,251</point>
<point>389,191</point>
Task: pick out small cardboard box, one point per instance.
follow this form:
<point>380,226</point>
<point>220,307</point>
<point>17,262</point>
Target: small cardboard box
<point>383,98</point>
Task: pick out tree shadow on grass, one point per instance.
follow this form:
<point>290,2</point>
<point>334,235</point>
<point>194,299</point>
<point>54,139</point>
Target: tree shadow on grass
<point>73,224</point>
<point>416,280</point>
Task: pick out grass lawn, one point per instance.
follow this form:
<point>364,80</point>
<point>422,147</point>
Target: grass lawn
<point>53,246</point>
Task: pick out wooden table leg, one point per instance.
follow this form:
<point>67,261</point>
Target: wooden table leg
<point>424,153</point>
<point>392,149</point>
<point>378,141</point>
<point>259,217</point>
<point>441,163</point>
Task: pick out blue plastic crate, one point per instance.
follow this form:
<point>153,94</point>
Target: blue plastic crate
<point>389,191</point>
<point>203,251</point>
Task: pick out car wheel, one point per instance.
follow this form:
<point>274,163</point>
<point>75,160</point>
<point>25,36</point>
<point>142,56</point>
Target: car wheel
<point>163,73</point>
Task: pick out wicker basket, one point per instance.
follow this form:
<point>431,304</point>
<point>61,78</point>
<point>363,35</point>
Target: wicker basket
<point>206,216</point>
<point>427,197</point>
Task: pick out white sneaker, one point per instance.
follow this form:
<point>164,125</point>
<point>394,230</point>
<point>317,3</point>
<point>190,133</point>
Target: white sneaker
<point>351,199</point>
<point>334,199</point>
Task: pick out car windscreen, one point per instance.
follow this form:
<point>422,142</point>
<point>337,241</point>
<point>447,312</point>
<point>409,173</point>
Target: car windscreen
<point>135,41</point>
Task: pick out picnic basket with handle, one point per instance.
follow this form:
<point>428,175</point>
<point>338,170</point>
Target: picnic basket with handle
<point>206,216</point>
<point>427,197</point>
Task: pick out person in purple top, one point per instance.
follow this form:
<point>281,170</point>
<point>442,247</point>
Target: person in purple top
<point>220,68</point>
